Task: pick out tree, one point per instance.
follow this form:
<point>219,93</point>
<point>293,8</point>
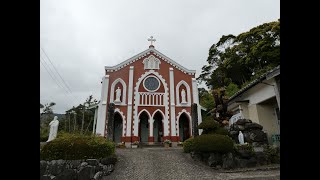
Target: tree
<point>83,113</point>
<point>242,58</point>
<point>231,89</point>
<point>206,99</point>
<point>47,108</point>
<point>88,101</point>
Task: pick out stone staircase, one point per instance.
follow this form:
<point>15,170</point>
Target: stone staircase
<point>146,145</point>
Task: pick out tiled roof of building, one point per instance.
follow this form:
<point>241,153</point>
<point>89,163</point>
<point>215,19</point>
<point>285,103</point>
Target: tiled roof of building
<point>267,75</point>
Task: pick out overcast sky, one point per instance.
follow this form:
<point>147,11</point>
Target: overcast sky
<point>80,37</point>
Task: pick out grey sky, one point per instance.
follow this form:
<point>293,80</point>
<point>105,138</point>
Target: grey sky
<point>82,36</point>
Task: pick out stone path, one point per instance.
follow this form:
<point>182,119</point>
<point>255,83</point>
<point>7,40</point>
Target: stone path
<point>172,163</point>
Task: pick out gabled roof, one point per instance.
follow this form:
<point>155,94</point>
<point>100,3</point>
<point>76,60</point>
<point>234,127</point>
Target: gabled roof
<point>145,53</point>
<point>268,75</point>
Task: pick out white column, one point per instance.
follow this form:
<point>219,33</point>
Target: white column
<point>129,111</point>
<point>172,104</point>
<point>196,100</point>
<point>276,90</point>
<point>95,120</point>
<point>151,127</point>
<point>102,111</point>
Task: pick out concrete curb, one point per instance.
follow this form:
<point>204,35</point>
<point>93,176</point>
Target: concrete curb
<point>262,168</point>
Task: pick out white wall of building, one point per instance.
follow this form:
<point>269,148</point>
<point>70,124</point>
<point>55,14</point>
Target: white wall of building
<point>256,110</point>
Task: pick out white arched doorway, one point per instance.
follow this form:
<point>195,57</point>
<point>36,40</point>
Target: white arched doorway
<point>144,118</point>
<point>157,126</point>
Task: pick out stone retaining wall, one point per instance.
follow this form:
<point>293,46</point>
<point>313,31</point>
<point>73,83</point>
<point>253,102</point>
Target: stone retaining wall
<point>239,159</point>
<point>90,169</point>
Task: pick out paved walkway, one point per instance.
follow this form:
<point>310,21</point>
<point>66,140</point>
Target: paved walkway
<point>172,163</point>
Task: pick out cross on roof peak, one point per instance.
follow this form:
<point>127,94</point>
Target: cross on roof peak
<point>151,39</point>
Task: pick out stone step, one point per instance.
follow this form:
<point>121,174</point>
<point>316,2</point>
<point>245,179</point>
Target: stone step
<point>151,145</point>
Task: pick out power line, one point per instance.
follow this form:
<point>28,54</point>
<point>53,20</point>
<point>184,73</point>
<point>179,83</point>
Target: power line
<point>63,81</point>
<point>70,104</point>
<point>68,100</point>
<point>56,70</point>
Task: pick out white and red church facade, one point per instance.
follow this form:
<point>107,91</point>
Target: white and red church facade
<point>152,96</point>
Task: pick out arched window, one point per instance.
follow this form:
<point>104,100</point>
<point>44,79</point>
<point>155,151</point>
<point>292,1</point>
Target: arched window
<point>151,63</point>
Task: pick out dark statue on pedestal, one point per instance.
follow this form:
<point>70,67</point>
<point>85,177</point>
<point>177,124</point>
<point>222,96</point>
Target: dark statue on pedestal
<point>194,114</point>
<point>220,113</point>
<point>110,125</point>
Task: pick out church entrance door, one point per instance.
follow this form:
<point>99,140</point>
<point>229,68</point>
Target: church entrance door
<point>158,127</point>
<point>184,128</point>
<point>117,131</point>
<point>143,127</point>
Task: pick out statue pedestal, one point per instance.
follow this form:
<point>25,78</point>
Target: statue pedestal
<point>117,102</point>
<point>184,103</point>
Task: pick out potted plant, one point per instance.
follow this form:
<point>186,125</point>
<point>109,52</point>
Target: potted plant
<point>167,143</point>
<point>122,145</point>
<point>180,144</point>
<point>135,144</point>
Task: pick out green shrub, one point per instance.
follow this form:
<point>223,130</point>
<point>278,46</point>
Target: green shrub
<point>208,126</point>
<point>72,147</point>
<point>188,145</point>
<point>220,131</point>
<point>214,143</point>
<point>44,138</point>
<point>244,149</point>
<point>272,153</point>
<point>44,134</point>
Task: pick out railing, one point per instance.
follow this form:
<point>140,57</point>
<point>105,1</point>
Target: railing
<point>151,99</point>
<point>235,118</point>
<point>275,138</point>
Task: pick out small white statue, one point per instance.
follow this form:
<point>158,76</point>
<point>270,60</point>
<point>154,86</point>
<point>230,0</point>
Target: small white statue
<point>183,96</point>
<point>53,129</point>
<point>118,95</point>
<point>240,137</point>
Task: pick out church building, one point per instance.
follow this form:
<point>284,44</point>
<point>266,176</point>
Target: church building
<point>152,95</point>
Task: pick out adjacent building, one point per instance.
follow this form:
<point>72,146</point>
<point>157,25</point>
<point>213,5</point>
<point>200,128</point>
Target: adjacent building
<point>259,101</point>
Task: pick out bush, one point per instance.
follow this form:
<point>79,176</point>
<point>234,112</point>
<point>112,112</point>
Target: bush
<point>272,153</point>
<point>243,147</point>
<point>220,131</point>
<point>73,147</point>
<point>213,143</point>
<point>44,138</point>
<point>244,150</point>
<point>208,126</point>
<point>188,145</point>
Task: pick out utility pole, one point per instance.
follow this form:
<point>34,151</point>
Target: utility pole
<point>89,124</point>
<point>69,122</point>
<point>65,124</point>
<point>84,107</point>
<point>75,121</point>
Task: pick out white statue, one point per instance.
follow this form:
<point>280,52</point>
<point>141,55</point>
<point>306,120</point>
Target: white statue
<point>53,129</point>
<point>240,137</point>
<point>118,95</point>
<point>183,96</point>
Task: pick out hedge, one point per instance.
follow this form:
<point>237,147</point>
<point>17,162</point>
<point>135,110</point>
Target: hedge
<point>44,138</point>
<point>208,126</point>
<point>73,147</point>
<point>188,145</point>
<point>220,131</point>
<point>213,143</point>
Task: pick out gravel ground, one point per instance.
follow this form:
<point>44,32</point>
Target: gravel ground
<point>172,163</point>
